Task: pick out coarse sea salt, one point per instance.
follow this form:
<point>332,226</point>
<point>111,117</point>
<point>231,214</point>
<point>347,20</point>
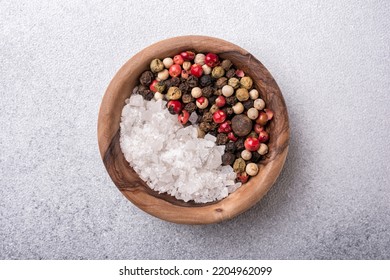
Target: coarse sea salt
<point>171,158</point>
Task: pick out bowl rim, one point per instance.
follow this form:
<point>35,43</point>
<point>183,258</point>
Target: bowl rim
<point>108,128</point>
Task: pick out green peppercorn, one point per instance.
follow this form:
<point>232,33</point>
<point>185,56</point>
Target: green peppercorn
<point>234,82</point>
<point>246,82</point>
<point>217,72</point>
<point>174,93</point>
<point>242,94</point>
<point>239,165</point>
<point>156,65</point>
<point>160,86</point>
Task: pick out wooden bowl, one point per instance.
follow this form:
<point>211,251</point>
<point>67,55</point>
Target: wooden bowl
<point>165,206</point>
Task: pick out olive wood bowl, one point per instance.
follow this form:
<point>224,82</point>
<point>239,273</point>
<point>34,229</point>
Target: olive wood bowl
<point>167,207</point>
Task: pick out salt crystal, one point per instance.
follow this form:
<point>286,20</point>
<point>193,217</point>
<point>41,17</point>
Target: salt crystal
<point>136,100</point>
<point>210,137</point>
<point>172,159</point>
<point>193,117</point>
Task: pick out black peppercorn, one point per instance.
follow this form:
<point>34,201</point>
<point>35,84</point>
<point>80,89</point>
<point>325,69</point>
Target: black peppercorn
<point>256,157</point>
<point>175,82</point>
<point>143,90</point>
<point>248,104</point>
<point>190,107</point>
<point>230,73</point>
<point>207,117</point>
<point>231,100</point>
<point>222,139</point>
<point>230,111</point>
<point>214,125</point>
<point>212,99</point>
<point>240,144</point>
<point>218,92</point>
<point>207,91</point>
<point>205,126</point>
<point>221,82</point>
<point>184,88</point>
<point>146,78</point>
<point>228,159</point>
<point>192,81</point>
<point>230,147</point>
<point>149,96</point>
<point>213,132</point>
<point>187,98</point>
<point>201,111</point>
<point>205,80</point>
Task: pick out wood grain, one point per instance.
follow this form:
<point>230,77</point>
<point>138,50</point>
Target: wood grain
<point>165,206</point>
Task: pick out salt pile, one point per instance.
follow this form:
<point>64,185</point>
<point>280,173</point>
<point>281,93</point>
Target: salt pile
<point>170,158</point>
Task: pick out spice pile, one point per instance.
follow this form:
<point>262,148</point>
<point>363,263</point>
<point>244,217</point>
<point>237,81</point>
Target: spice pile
<point>216,97</point>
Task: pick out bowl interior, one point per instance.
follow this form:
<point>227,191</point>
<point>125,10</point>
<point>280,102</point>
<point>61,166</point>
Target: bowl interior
<point>165,206</point>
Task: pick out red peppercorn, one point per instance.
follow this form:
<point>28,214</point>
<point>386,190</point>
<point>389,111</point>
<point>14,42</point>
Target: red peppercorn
<point>219,116</point>
<point>188,55</point>
<point>178,59</point>
<point>196,70</point>
<point>240,73</point>
<point>225,127</point>
<point>232,137</point>
<point>262,119</point>
<point>263,136</point>
<point>258,128</point>
<point>220,101</point>
<point>183,117</point>
<point>175,106</point>
<point>211,59</point>
<point>151,87</point>
<point>243,177</point>
<point>252,144</point>
<point>269,113</point>
<point>175,70</point>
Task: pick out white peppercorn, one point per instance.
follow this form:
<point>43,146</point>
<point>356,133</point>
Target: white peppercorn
<point>252,113</point>
<point>199,59</point>
<point>168,62</point>
<point>196,92</point>
<point>246,155</point>
<point>252,169</point>
<point>163,75</point>
<point>263,149</point>
<point>206,69</point>
<point>186,65</point>
<point>238,108</point>
<point>259,104</point>
<point>227,90</point>
<point>254,94</point>
<point>158,95</point>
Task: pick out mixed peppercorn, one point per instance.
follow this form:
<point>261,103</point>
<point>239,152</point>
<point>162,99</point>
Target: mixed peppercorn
<point>226,103</point>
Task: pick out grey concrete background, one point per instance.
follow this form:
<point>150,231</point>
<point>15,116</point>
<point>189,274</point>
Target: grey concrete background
<point>331,60</point>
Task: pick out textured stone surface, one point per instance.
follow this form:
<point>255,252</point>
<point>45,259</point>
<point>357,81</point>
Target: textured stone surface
<point>332,63</point>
